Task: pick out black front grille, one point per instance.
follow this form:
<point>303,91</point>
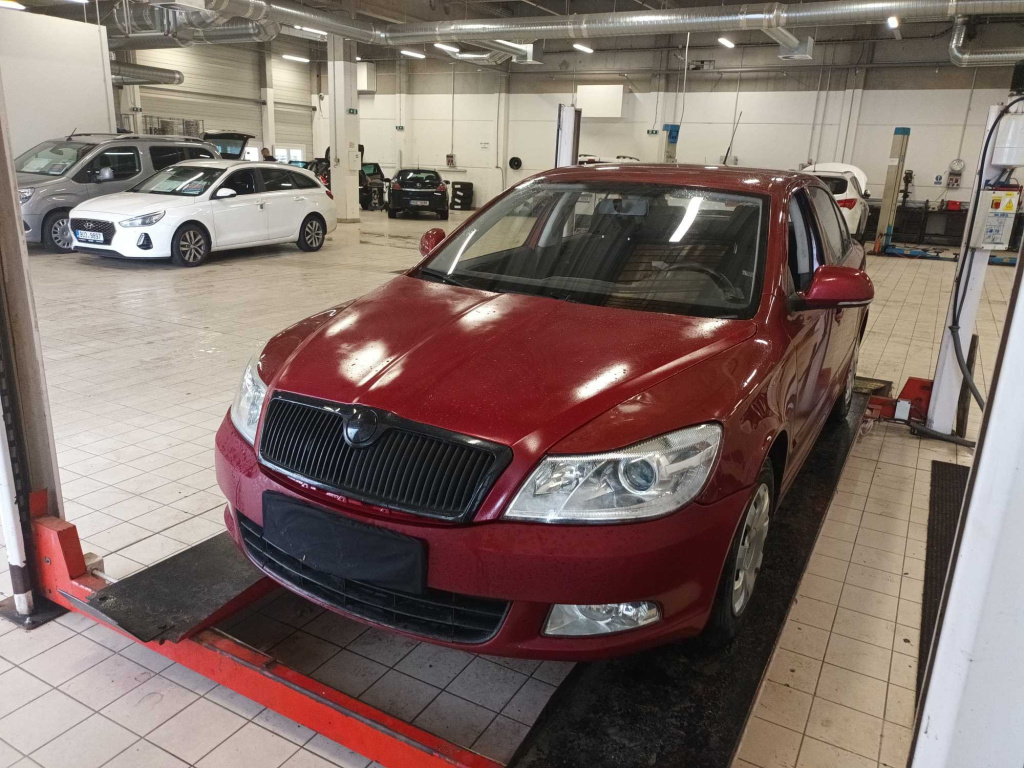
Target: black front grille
<point>106,228</point>
<point>407,466</point>
<point>435,614</point>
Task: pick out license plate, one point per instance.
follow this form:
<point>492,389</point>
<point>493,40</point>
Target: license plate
<point>419,202</point>
<point>325,541</point>
<point>89,237</point>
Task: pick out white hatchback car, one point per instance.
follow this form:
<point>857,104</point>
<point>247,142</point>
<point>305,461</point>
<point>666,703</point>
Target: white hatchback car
<point>188,210</point>
<point>848,184</point>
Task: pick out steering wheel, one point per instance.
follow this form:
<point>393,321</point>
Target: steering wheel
<point>717,278</point>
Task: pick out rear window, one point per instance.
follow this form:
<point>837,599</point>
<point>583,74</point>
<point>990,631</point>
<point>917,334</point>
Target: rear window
<point>277,180</point>
<point>302,181</point>
<point>422,177</point>
<point>837,185</point>
<point>165,156</point>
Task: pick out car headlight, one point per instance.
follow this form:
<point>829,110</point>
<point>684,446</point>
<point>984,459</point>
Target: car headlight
<point>143,221</point>
<point>645,480</point>
<point>248,403</point>
<point>24,195</point>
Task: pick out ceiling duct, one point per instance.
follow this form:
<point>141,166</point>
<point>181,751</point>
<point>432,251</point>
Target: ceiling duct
<point>123,73</point>
<point>981,58</point>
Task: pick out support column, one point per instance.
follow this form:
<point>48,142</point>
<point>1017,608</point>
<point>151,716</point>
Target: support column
<point>267,98</point>
<point>343,108</point>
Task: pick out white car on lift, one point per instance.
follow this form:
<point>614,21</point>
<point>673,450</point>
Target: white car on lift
<point>188,210</point>
<point>848,184</point>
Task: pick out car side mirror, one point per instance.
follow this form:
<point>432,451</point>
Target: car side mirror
<point>446,181</point>
<point>430,240</point>
<point>867,194</point>
<point>834,287</point>
<point>225,192</point>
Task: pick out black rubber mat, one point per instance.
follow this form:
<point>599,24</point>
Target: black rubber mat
<point>681,706</point>
<point>167,600</point>
<point>949,483</point>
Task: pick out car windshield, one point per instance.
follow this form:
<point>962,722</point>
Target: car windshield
<point>418,177</point>
<point>836,184</point>
<point>182,180</point>
<point>52,158</point>
<point>655,248</point>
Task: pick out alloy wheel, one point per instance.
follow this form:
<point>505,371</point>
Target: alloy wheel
<point>314,233</point>
<point>751,549</point>
<point>60,233</point>
<point>192,246</point>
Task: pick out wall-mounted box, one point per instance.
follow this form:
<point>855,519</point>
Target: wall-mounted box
<point>600,100</point>
<point>366,77</point>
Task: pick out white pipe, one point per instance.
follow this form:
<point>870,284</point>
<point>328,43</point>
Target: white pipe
<point>14,535</point>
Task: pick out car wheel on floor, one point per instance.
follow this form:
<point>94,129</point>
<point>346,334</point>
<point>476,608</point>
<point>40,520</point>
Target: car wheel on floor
<point>392,213</point>
<point>842,407</point>
<point>57,232</point>
<point>442,215</point>
<point>311,234</point>
<point>190,246</point>
<point>743,564</point>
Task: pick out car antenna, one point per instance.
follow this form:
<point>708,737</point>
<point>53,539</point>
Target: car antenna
<point>731,138</point>
<point>71,134</point>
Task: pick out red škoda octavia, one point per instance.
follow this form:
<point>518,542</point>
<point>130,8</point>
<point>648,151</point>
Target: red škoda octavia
<point>565,432</point>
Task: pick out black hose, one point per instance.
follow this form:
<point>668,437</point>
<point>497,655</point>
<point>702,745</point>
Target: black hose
<point>920,429</point>
<point>958,299</point>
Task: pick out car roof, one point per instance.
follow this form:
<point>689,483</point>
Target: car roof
<point>763,181</point>
<point>101,138</point>
<point>238,163</point>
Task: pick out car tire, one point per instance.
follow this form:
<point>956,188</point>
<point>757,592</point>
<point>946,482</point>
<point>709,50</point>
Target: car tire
<point>56,233</point>
<point>392,213</point>
<point>743,563</point>
<point>190,246</point>
<point>442,215</point>
<point>842,407</point>
<point>312,233</point>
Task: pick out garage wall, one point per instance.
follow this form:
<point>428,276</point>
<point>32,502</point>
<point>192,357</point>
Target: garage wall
<point>293,116</point>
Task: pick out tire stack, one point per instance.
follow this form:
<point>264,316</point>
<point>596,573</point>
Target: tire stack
<point>462,196</point>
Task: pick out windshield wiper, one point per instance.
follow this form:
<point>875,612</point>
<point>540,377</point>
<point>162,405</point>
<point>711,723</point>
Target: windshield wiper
<point>442,277</point>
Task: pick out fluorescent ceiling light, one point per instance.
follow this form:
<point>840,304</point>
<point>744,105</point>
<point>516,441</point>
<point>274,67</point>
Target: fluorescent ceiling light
<point>80,2</point>
<point>470,55</point>
<point>727,42</point>
<point>581,47</point>
<point>294,58</point>
<point>11,5</point>
<point>446,47</point>
<point>522,47</point>
<point>893,22</point>
<point>304,29</point>
<point>359,58</point>
<point>414,54</point>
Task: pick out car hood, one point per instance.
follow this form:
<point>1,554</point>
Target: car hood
<point>518,370</point>
<point>37,180</point>
<point>133,203</point>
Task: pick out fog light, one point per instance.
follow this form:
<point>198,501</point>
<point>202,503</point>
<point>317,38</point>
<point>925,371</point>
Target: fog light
<point>144,242</point>
<point>603,619</point>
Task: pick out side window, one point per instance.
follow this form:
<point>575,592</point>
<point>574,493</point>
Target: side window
<point>165,156</point>
<point>833,229</point>
<point>112,164</point>
<point>243,182</point>
<point>198,153</point>
<point>276,180</point>
<point>804,257</point>
<point>302,181</point>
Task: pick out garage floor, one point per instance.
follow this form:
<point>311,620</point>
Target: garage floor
<point>142,361</point>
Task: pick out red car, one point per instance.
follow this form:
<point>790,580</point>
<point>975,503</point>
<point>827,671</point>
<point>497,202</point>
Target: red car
<point>563,434</point>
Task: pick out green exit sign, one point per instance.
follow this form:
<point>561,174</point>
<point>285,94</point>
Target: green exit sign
<point>652,132</point>
<point>353,111</point>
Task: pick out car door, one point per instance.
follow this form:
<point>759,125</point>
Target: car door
<point>286,203</point>
<point>840,249</point>
<point>242,219</point>
<point>806,378</point>
<point>113,169</point>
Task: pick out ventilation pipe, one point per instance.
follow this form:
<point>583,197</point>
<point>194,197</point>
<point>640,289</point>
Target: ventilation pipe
<point>983,58</point>
<point>123,73</point>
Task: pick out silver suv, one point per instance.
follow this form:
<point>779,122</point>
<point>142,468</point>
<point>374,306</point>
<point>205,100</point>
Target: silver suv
<point>58,174</point>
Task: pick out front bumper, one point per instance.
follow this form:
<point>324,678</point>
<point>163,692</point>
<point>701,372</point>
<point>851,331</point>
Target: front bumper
<point>32,224</point>
<point>125,243</point>
<point>675,561</point>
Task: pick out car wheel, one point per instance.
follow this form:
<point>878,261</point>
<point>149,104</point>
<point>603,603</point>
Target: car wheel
<point>845,401</point>
<point>311,234</point>
<point>57,232</point>
<point>190,246</point>
<point>443,215</point>
<point>743,564</point>
<point>392,213</point>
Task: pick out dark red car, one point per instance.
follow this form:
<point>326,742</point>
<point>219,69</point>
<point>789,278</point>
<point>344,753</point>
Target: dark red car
<point>563,434</point>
